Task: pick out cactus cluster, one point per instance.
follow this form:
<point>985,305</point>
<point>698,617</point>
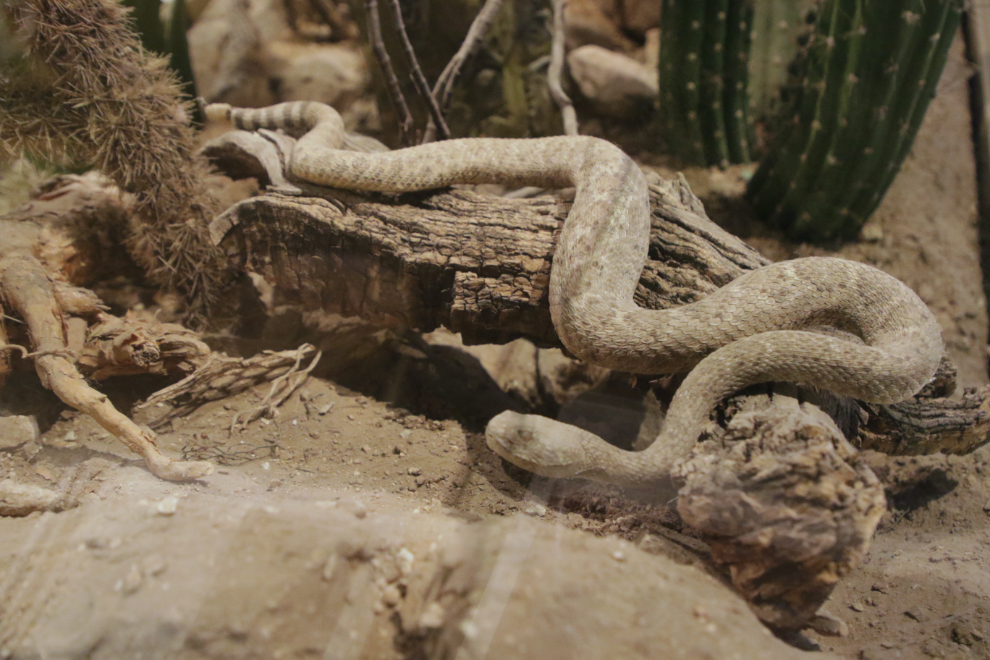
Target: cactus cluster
<point>704,102</point>
<point>870,71</point>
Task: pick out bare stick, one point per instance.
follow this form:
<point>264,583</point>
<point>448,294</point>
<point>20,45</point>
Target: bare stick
<point>223,376</point>
<point>392,82</point>
<point>445,83</point>
<point>423,87</point>
<point>282,388</point>
<point>557,70</point>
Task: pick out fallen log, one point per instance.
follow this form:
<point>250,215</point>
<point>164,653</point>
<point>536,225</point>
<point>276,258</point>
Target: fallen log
<point>792,512</point>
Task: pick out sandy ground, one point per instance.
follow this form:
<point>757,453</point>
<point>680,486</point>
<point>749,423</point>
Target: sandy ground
<point>374,523</point>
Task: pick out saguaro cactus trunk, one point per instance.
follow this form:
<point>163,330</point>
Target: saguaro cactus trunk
<point>871,69</point>
<point>704,55</point>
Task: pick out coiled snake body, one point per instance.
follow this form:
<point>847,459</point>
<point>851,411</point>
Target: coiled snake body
<point>755,329</point>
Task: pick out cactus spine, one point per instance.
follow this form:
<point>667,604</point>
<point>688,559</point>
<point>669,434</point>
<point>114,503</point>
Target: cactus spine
<point>704,49</point>
<point>871,71</point>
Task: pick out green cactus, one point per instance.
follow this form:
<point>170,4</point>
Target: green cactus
<point>776,27</point>
<point>871,69</point>
<point>704,47</point>
<point>736,97</point>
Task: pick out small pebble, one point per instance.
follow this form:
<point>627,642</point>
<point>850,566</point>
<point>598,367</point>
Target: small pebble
<point>535,509</point>
<point>414,471</point>
<point>153,565</point>
<point>391,596</point>
<point>17,430</point>
<point>133,580</point>
<point>329,567</point>
<point>404,560</point>
<point>828,625</point>
<point>871,233</point>
<point>167,506</point>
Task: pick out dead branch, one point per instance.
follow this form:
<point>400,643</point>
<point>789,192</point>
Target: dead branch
<point>419,80</point>
<point>27,288</point>
<point>72,337</point>
<point>444,86</point>
<point>556,71</point>
<point>126,346</point>
<point>784,500</point>
<point>391,81</point>
<point>221,377</point>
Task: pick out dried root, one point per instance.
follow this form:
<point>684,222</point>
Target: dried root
<point>30,292</point>
<point>223,376</point>
<point>123,346</point>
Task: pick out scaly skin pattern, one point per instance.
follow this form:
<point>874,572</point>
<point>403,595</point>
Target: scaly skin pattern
<point>756,329</point>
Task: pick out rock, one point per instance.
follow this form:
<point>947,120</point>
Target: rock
<point>23,499</point>
<point>508,588</point>
<point>615,83</point>
<point>335,74</point>
<point>227,53</point>
<point>606,22</point>
<point>595,22</point>
<point>639,16</point>
<point>17,430</point>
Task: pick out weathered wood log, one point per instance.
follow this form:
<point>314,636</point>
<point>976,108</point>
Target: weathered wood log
<point>475,263</point>
<point>777,513</point>
<point>479,264</point>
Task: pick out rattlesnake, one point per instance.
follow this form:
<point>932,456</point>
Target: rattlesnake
<point>756,329</point>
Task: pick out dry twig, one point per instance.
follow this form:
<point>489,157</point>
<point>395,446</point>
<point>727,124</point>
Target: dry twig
<point>556,72</point>
<point>124,346</point>
<point>391,81</point>
<point>444,86</point>
<point>418,78</point>
<point>282,388</point>
<point>224,376</point>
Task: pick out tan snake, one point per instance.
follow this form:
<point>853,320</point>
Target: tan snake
<point>755,329</point>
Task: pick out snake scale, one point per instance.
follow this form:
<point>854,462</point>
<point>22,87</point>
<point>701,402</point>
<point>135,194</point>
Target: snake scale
<point>761,327</point>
